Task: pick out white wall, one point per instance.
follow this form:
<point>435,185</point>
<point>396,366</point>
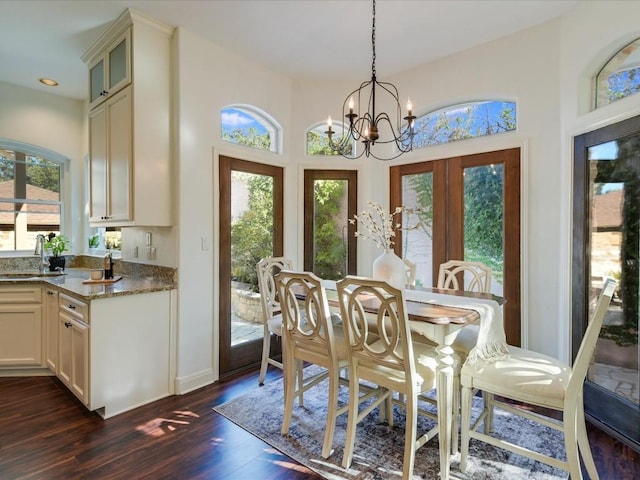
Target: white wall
<point>210,78</point>
<point>57,124</point>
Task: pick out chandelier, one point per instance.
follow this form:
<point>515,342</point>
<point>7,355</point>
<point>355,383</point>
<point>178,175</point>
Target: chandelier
<point>371,127</point>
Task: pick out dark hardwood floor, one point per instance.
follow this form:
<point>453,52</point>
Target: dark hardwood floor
<point>45,433</point>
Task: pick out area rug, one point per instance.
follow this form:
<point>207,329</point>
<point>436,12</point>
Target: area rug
<point>379,448</point>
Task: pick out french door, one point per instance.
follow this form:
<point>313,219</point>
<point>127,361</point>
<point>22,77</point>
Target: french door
<point>606,243</point>
<point>464,208</point>
<point>330,200</point>
<point>251,228</point>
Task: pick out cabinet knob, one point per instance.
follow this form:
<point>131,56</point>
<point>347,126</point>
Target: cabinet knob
<point>71,307</point>
<point>49,292</point>
<point>67,324</point>
<point>104,93</point>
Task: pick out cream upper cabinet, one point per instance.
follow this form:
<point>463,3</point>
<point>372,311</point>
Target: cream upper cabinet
<point>129,129</point>
<point>111,71</point>
<point>110,169</point>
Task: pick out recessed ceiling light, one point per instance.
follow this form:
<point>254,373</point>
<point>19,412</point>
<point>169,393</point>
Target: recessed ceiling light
<point>49,82</point>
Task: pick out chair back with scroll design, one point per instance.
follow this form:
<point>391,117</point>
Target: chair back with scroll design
<point>463,275</point>
<point>411,272</point>
<point>309,336</point>
<point>267,269</point>
<point>387,357</point>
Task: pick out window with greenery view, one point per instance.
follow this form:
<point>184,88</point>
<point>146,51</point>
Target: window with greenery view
<point>30,200</point>
<point>329,239</point>
<point>318,142</point>
<point>463,121</point>
<point>251,127</point>
<point>251,225</point>
<point>620,76</point>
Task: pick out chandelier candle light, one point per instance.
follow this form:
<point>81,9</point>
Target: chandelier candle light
<point>368,127</point>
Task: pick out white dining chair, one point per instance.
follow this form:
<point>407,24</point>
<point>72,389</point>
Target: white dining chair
<point>526,378</point>
<point>310,336</point>
<point>411,271</point>
<point>464,275</point>
<point>387,358</point>
<point>469,277</point>
<point>272,317</point>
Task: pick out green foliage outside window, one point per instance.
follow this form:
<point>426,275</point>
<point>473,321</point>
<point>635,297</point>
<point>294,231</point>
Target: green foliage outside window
<point>329,243</point>
<point>250,138</point>
<point>252,232</point>
<point>459,122</point>
<point>483,216</point>
<point>318,144</point>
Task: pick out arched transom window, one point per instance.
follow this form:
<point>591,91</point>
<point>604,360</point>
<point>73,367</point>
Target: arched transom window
<point>252,127</point>
<point>465,120</point>
<point>620,76</point>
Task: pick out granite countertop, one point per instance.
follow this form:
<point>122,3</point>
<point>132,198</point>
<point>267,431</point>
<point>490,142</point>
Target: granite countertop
<point>71,282</point>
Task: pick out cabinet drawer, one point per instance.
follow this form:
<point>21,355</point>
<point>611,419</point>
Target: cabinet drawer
<point>18,294</point>
<point>76,308</point>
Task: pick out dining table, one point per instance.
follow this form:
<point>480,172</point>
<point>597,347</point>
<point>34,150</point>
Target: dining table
<point>439,315</point>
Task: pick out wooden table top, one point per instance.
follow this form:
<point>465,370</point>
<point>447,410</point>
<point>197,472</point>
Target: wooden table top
<point>430,312</point>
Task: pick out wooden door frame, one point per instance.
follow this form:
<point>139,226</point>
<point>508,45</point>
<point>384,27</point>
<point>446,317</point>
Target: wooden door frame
<point>448,184</point>
<point>602,407</point>
<point>238,358</point>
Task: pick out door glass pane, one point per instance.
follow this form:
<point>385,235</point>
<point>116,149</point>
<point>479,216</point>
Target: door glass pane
<point>251,240</point>
<point>330,225</point>
<point>417,219</point>
<point>483,220</point>
<point>614,210</point>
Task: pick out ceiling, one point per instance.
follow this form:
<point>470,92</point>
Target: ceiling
<point>306,39</point>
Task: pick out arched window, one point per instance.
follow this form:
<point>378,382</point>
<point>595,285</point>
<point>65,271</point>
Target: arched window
<point>619,77</point>
<point>30,194</point>
<point>318,142</point>
<point>465,120</point>
<point>252,127</point>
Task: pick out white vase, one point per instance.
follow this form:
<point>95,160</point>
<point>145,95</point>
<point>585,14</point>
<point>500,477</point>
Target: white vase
<point>390,268</point>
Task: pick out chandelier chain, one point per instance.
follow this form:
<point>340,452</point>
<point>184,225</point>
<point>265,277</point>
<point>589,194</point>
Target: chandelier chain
<point>373,40</point>
<point>364,125</point>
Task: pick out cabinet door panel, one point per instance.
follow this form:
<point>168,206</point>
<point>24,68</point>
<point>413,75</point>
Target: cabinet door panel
<point>64,350</point>
<point>52,327</point>
<point>120,154</point>
<point>80,361</point>
<point>98,164</point>
<point>20,335</point>
<point>73,360</point>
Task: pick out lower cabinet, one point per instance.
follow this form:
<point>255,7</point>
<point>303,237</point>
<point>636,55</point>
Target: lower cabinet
<point>21,327</point>
<point>73,346</point>
<point>114,353</point>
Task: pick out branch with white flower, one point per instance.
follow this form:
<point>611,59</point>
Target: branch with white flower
<point>378,225</point>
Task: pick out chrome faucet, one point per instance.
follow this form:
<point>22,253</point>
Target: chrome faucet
<point>42,264</point>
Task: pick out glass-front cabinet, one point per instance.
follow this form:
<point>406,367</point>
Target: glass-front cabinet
<point>110,72</point>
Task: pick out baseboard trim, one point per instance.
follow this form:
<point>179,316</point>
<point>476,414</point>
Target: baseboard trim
<point>194,381</point>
